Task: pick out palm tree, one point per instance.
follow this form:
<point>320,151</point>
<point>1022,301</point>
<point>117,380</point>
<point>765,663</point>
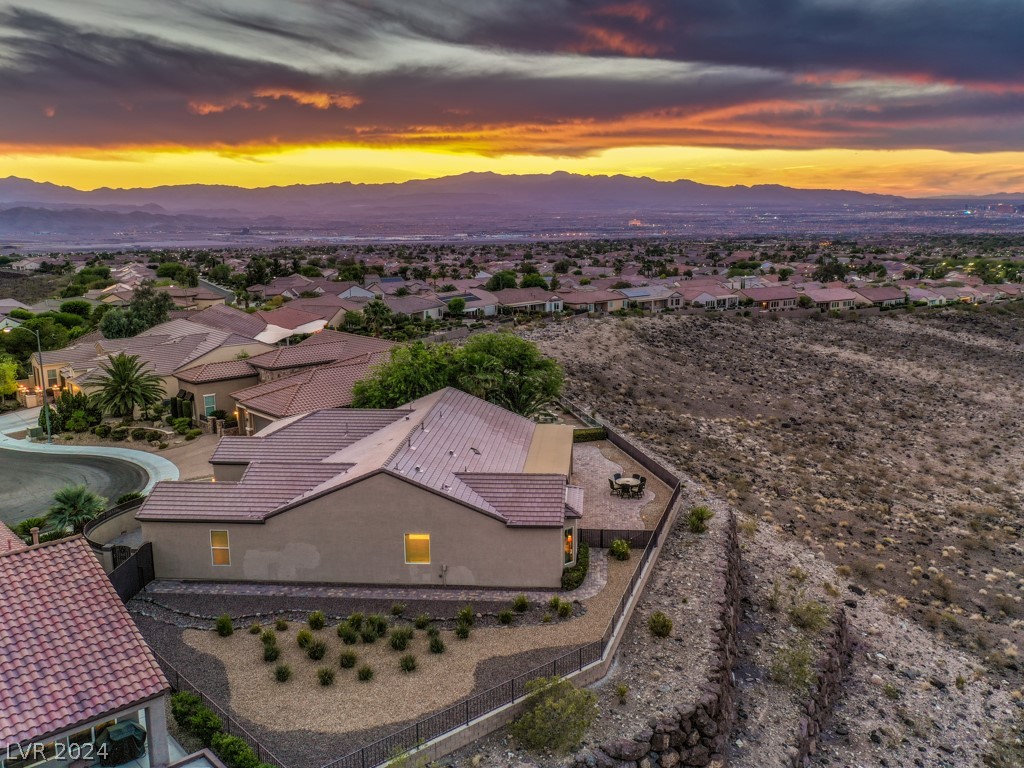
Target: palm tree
<point>73,507</point>
<point>125,386</point>
<point>377,314</point>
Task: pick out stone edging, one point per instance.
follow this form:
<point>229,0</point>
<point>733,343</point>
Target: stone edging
<point>693,733</point>
<point>832,667</point>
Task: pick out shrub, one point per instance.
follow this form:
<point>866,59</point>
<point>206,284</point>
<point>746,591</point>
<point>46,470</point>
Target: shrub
<point>162,445</point>
<point>400,638</point>
<point>101,430</point>
<point>520,603</point>
<point>365,673</point>
<point>355,621</point>
<point>192,434</point>
<point>565,609</point>
<point>280,625</point>
<point>619,549</point>
<point>316,650</point>
<point>422,621</point>
<point>407,663</point>
<point>154,435</point>
<point>317,620</point>
<point>791,666</point>
<point>808,614</point>
<point>554,602</point>
<point>505,616</point>
<point>325,675</point>
<point>282,672</point>
<point>119,433</point>
<point>183,706</point>
<point>891,692</point>
<point>697,518</point>
<point>659,624</point>
<point>126,497</point>
<point>590,434</point>
<point>546,618</point>
<point>347,660</point>
<point>397,609</point>
<point>254,629</point>
<point>348,635</point>
<point>234,752</point>
<point>271,653</point>
<point>433,632</point>
<point>139,433</point>
<point>181,425</point>
<point>557,715</point>
<point>574,576</point>
<point>462,630</point>
<point>621,690</point>
<point>304,637</point>
<point>436,644</point>
<point>225,627</point>
<point>267,637</point>
<point>466,615</point>
<point>204,725</point>
<point>367,635</point>
<point>378,623</point>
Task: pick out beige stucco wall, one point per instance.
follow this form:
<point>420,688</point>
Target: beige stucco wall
<point>222,390</point>
<point>356,536</point>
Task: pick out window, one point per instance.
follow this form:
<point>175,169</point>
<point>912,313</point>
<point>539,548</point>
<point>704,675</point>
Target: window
<point>417,548</point>
<point>219,548</point>
<point>570,554</point>
<point>51,377</point>
<point>209,404</point>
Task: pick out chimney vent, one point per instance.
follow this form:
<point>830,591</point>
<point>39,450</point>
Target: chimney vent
<point>35,535</point>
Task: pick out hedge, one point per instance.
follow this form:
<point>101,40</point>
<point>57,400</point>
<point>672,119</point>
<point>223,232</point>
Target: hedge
<point>590,434</point>
<point>574,576</point>
<point>200,721</point>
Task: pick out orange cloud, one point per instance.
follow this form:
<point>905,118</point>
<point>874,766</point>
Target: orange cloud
<point>601,40</point>
<point>315,99</point>
<point>636,11</point>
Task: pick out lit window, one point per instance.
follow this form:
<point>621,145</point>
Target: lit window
<point>570,554</point>
<point>417,548</point>
<point>209,404</point>
<point>219,548</point>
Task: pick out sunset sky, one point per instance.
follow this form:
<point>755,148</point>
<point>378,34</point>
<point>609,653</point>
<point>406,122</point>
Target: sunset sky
<point>913,97</point>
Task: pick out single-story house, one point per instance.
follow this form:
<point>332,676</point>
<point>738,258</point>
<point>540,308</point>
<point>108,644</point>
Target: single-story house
<point>832,298</point>
<point>427,494</point>
<point>709,297</point>
<point>596,301</point>
<point>772,299</point>
<point>420,306</point>
<point>652,298</point>
<point>210,386</point>
<point>319,349</point>
<point>883,295</point>
<point>73,661</point>
<point>330,308</point>
<point>927,295</point>
<point>954,294</point>
<point>285,321</point>
<point>479,302</point>
<point>529,300</point>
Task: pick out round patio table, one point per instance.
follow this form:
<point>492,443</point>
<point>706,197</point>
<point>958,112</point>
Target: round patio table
<point>629,482</point>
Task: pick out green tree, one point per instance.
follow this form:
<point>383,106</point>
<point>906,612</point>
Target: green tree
<point>533,280</point>
<point>502,280</point>
<point>376,315</point>
<point>8,376</point>
<point>117,324</point>
<point>456,307</point>
<point>527,378</point>
<point>221,273</point>
<point>124,386</point>
<point>557,715</point>
<point>149,307</point>
<point>79,307</point>
<point>412,372</point>
<point>73,507</point>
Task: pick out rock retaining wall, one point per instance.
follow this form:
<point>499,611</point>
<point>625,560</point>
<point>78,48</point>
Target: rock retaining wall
<point>691,733</point>
<point>832,667</point>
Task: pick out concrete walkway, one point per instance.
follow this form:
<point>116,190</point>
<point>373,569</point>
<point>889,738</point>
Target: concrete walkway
<point>157,467</point>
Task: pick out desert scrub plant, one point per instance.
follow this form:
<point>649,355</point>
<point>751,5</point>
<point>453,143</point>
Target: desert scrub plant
<point>397,609</point>
<point>378,624</point>
<point>316,650</point>
<point>546,618</point>
<point>891,692</point>
<point>556,717</point>
<point>436,644</point>
<point>553,604</point>
<point>400,638</point>
<point>433,632</point>
<point>775,598</point>
<point>271,652</point>
<point>347,634</point>
<point>462,631</point>
<point>505,616</point>
<point>368,636</point>
<point>520,603</point>
<point>281,625</point>
<point>254,629</point>
<point>303,637</point>
<point>267,637</point>
<point>282,673</point>
<point>748,527</point>
<point>407,663</point>
<point>619,549</point>
<point>659,624</point>
<point>422,621</point>
<point>792,666</point>
<point>325,675</point>
<point>347,660</point>
<point>365,673</point>
<point>356,621</point>
<point>317,620</point>
<point>697,518</point>
<point>621,691</point>
<point>225,627</point>
<point>466,615</point>
<point>808,614</point>
<point>565,609</point>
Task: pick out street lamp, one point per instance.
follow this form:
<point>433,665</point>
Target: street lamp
<point>46,406</point>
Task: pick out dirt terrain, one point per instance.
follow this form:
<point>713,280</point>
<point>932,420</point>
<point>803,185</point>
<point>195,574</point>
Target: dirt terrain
<point>888,450</point>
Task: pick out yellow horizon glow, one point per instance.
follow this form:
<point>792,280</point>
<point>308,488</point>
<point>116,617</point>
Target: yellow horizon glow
<point>910,172</point>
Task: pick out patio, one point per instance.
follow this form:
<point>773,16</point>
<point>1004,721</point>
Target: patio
<point>593,464</point>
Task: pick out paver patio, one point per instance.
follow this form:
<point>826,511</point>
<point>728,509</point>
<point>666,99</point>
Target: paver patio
<point>593,465</point>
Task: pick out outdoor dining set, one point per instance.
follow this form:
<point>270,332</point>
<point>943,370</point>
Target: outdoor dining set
<point>627,487</point>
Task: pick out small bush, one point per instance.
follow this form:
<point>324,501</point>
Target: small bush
<point>101,430</point>
<point>365,673</point>
<point>348,635</point>
<point>317,620</point>
<point>565,609</point>
<point>792,666</point>
<point>659,624</point>
<point>422,621</point>
<point>520,604</point>
<point>621,690</point>
<point>325,675</point>
<point>436,644</point>
<point>254,629</point>
<point>154,435</point>
<point>181,425</point>
<point>304,637</point>
<point>355,621</point>
<point>433,631</point>
<point>619,549</point>
<point>204,725</point>
<point>462,631</point>
<point>505,616</point>
<point>347,660</point>
<point>316,650</point>
<point>282,673</point>
<point>139,433</point>
<point>407,663</point>
<point>891,692</point>
<point>183,706</point>
<point>131,496</point>
<point>225,627</point>
<point>280,625</point>
<point>697,518</point>
<point>192,434</point>
<point>546,618</point>
<point>808,614</point>
<point>378,624</point>
<point>271,653</point>
<point>554,603</point>
<point>574,576</point>
<point>234,752</point>
<point>397,609</point>
<point>589,434</point>
<point>466,615</point>
<point>557,716</point>
<point>400,638</point>
<point>119,433</point>
<point>267,637</point>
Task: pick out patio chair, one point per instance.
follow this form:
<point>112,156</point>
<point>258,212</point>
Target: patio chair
<point>636,476</point>
<point>616,490</point>
<point>616,476</point>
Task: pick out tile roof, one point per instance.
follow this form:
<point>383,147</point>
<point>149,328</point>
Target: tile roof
<point>574,501</point>
<point>288,318</point>
<point>9,541</point>
<point>522,500</point>
<point>831,294</point>
<point>775,293</point>
<point>405,305</point>
<point>338,347</point>
<point>225,371</point>
<point>71,653</point>
<point>511,296</point>
<point>230,319</point>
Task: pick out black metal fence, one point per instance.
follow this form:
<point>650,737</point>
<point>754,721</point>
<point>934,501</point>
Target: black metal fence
<point>134,573</point>
<point>181,683</point>
<point>603,537</point>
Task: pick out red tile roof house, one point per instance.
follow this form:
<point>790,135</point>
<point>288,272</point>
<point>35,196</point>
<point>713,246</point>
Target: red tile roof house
<point>285,322</point>
<point>596,301</point>
<point>529,300</point>
<point>832,298</point>
<point>709,297</point>
<point>884,295</point>
<point>72,661</point>
<point>447,490</point>
<point>772,299</point>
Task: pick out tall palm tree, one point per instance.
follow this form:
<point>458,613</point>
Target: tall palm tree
<point>377,314</point>
<point>125,386</point>
<point>73,507</point>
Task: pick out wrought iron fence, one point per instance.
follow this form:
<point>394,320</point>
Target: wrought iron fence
<point>134,573</point>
